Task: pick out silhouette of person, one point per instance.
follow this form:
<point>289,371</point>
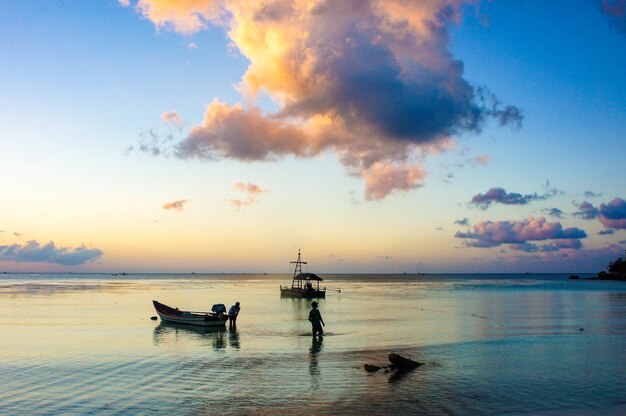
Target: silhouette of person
<point>316,320</point>
<point>232,315</point>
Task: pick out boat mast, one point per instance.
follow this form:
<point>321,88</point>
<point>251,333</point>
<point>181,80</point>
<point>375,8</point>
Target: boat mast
<point>298,263</point>
<point>297,270</point>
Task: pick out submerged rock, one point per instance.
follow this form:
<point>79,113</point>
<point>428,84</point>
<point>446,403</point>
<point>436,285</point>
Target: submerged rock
<point>398,363</point>
<point>402,363</point>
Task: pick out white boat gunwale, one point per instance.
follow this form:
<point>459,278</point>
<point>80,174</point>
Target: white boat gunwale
<point>169,314</point>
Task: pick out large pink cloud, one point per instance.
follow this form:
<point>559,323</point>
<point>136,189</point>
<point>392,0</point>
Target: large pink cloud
<point>372,81</point>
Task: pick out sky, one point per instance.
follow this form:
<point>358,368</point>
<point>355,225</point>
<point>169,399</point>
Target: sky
<point>377,136</point>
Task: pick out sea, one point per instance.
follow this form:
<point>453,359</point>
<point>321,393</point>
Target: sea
<point>491,344</point>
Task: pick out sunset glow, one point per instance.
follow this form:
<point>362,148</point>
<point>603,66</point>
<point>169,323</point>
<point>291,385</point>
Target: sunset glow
<point>379,136</point>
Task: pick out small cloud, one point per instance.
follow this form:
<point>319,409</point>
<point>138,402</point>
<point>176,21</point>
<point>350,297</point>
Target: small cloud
<point>173,118</point>
<point>613,214</point>
<point>463,222</point>
<point>385,257</point>
<point>175,205</point>
<point>591,194</point>
<point>238,203</point>
<point>586,211</point>
<point>34,252</point>
<point>251,190</point>
<point>501,196</point>
<point>482,160</point>
<point>192,45</point>
<point>153,144</point>
<point>17,234</point>
<point>609,231</point>
<point>550,190</point>
<point>124,3</point>
<point>439,228</point>
<point>553,212</point>
<point>622,241</point>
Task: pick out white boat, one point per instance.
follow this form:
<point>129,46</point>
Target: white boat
<point>217,317</point>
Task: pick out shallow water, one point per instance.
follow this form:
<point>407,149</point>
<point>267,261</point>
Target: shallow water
<point>491,344</point>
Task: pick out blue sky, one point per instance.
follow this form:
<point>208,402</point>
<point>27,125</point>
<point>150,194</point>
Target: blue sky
<point>364,158</point>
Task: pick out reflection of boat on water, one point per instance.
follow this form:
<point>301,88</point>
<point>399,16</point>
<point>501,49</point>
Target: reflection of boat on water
<point>217,317</point>
<point>303,285</point>
<point>165,327</point>
<point>169,333</point>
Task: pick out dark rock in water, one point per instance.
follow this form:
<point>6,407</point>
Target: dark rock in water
<point>154,318</point>
<point>574,277</point>
<point>402,363</point>
<point>399,364</point>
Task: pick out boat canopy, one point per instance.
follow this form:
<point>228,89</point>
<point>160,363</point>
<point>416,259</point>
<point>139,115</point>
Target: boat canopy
<point>309,276</point>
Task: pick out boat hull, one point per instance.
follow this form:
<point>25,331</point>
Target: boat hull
<point>301,293</point>
<point>205,319</point>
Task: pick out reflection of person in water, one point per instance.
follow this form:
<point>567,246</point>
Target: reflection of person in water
<point>316,320</point>
<point>316,347</point>
<point>233,338</point>
<point>219,340</point>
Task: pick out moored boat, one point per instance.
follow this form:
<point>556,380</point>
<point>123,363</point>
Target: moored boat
<point>217,317</point>
<point>303,285</point>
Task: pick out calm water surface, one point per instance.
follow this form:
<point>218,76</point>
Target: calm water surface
<point>85,344</point>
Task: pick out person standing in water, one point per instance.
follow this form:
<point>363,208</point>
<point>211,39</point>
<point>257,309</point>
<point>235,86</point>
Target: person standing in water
<point>316,320</point>
<point>232,315</point>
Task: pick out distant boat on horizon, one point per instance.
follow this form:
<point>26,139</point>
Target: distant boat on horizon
<point>303,285</point>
